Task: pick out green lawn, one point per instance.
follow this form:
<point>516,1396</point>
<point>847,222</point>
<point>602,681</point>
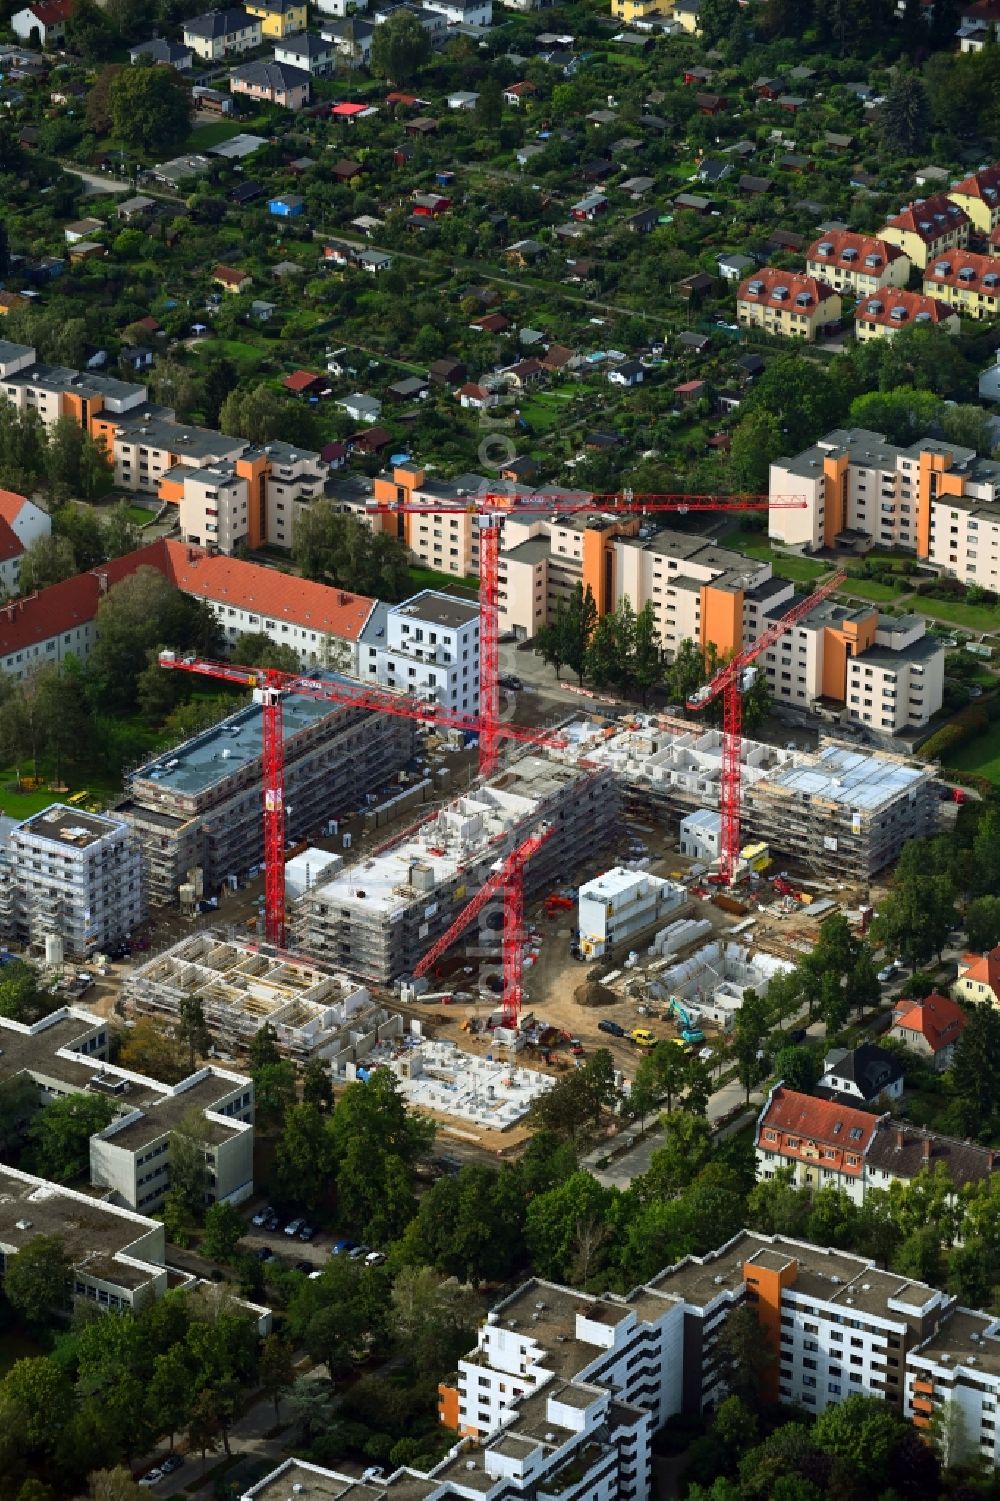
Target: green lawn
<point>870,589</point>
<point>429,578</point>
<point>546,409</point>
<point>247,356</point>
<point>801,570</point>
<point>23,804</point>
<point>756,545</point>
<point>981,755</point>
<point>956,612</point>
<point>204,136</point>
<point>140,515</point>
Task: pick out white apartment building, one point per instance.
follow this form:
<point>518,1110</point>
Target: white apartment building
<point>66,1053</point>
<point>529,1401</point>
<point>222,33</point>
<point>74,876</point>
<point>462,12</point>
<point>934,499</point>
<point>616,906</point>
<point>427,646</point>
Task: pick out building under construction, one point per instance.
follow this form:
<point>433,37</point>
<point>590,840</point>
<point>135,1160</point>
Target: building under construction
<point>376,917</point>
<point>199,807</point>
<point>842,812</point>
<point>315,1012</point>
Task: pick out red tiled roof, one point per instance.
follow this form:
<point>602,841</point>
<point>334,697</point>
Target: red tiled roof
<point>850,251</point>
<point>49,12</point>
<point>479,393</point>
<point>930,218</point>
<point>832,1136</point>
<point>230,275</point>
<point>491,323</point>
<point>301,380</point>
<point>264,591</point>
<point>11,545</point>
<point>937,1018</point>
<point>984,969</point>
<point>770,282</point>
<point>11,504</point>
<point>880,307</point>
<point>347,109</point>
<point>947,272</point>
<point>984,184</point>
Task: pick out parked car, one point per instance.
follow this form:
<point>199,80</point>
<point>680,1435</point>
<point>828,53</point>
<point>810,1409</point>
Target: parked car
<point>295,1226</point>
<point>358,1252</point>
<point>172,1463</point>
<point>342,1247</point>
<point>151,1477</point>
<point>375,1258</point>
<point>885,975</point>
<point>307,1233</point>
<point>272,1223</point>
<point>512,681</point>
<point>612,1028</point>
<point>263,1253</point>
<point>262,1216</point>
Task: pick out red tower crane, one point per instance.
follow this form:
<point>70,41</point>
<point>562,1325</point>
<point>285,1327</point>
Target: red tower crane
<point>508,879</point>
<point>730,682</point>
<point>491,509</point>
<point>269,686</point>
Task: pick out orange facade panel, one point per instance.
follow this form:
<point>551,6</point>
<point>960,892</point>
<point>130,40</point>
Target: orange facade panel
<point>171,490</point>
<point>722,620</point>
<point>834,480</point>
<point>766,1284</point>
<point>448,1405</point>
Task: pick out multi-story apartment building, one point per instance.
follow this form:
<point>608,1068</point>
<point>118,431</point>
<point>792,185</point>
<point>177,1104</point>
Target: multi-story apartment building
<point>447,542</point>
<point>528,1405</point>
<point>883,315</point>
<point>227,491</point>
<point>66,1053</point>
<point>978,196</point>
<point>222,33</point>
<point>428,646</point>
<point>927,228</point>
<point>967,282</point>
<point>788,304</point>
<point>279,18</point>
<point>74,876</point>
<point>824,1142</point>
<point>323,625</point>
<point>855,263</point>
<point>201,804</point>
<point>934,499</point>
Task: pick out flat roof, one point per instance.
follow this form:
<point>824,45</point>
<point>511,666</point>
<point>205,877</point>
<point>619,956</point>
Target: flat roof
<point>170,1109</point>
<point>68,827</point>
<point>857,780</point>
<point>93,1232</point>
<point>238,741</point>
<point>81,382</point>
<point>965,1336</point>
<point>439,609</point>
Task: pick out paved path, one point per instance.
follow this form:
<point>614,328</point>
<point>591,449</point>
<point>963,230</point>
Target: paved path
<point>99,182</point>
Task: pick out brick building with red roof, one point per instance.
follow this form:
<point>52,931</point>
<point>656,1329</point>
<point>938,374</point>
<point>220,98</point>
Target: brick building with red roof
<point>788,304</point>
<point>930,1027</point>
<point>883,314</point>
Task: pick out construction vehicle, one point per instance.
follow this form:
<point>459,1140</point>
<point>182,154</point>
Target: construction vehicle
<point>642,1037</point>
<point>685,1022</point>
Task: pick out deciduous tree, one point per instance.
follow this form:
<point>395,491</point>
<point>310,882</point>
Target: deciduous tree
<point>39,1278</point>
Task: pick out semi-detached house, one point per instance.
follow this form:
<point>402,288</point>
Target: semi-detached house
<point>221,33</point>
<point>856,263</point>
<point>787,304</point>
<point>927,228</point>
<point>967,282</point>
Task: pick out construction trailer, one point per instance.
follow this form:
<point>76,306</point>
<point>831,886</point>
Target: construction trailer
<point>200,806</point>
<point>315,1011</point>
<point>377,916</point>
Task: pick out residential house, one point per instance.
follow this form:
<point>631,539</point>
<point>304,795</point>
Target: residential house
<point>969,283</point>
<point>245,192</point>
<point>133,209</point>
<point>638,187</point>
<point>316,55</point>
<point>231,279</point>
<point>44,23</point>
<point>21,524</point>
<point>711,104</point>
<point>279,18</point>
<point>352,38</point>
<point>927,228</point>
<point>410,388</point>
<point>82,229</point>
<point>856,263</point>
<point>978,196</point>
<point>345,170</point>
<point>686,13</point>
<point>170,54</point>
<point>273,83</point>
<point>447,371</point>
<point>822,1142</point>
<point>930,1027</point>
<point>525,373</point>
<point>422,127</point>
<point>475,397</point>
<point>860,1076</point>
<point>361,407</point>
<point>430,205</point>
<point>375,261</point>
<point>696,286</point>
<point>628,373</point>
<point>463,99</point>
<point>524,154</point>
<point>694,202</point>
<point>733,266</point>
<point>286,206</point>
<point>371,441</point>
<point>978,979</point>
<point>515,93</point>
<point>754,187</point>
<point>643,222</point>
<point>881,317</point>
<point>592,207</point>
<point>476,13</point>
<point>788,304</point>
<point>689,391</point>
<point>979,23</point>
<point>221,33</point>
<point>306,383</point>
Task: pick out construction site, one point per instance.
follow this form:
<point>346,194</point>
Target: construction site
<point>315,1012</point>
<point>378,915</point>
<point>197,810</point>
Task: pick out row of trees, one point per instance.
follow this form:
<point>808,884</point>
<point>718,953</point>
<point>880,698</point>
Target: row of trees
<point>63,459</point>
